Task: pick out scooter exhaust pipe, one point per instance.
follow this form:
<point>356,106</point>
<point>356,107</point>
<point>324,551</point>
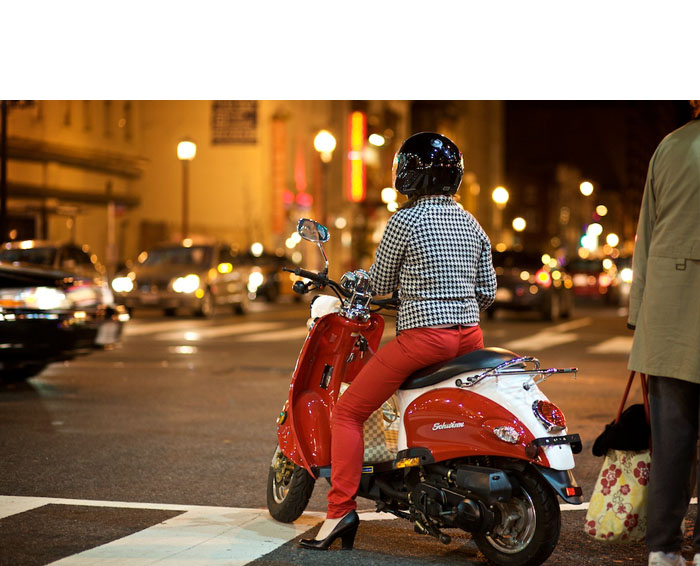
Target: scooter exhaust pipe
<point>488,484</point>
<point>390,491</point>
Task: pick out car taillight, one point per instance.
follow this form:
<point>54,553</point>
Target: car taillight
<point>550,415</point>
<point>604,280</point>
<point>543,278</point>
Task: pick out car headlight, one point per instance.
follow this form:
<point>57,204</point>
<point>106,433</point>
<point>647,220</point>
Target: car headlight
<point>122,285</point>
<point>187,284</point>
<point>42,298</point>
<point>255,279</point>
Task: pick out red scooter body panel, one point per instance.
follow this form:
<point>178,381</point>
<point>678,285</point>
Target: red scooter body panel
<point>304,436</point>
<point>454,423</point>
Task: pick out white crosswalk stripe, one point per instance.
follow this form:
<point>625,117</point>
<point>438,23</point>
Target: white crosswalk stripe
<point>144,328</point>
<point>552,336</point>
<point>197,333</point>
<point>616,345</point>
<point>191,331</point>
<point>200,536</point>
<point>287,334</point>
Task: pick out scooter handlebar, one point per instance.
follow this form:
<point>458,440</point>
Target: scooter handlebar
<point>322,279</point>
<point>318,277</point>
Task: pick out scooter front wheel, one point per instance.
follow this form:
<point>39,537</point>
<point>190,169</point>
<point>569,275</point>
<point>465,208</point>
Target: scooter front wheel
<point>289,488</point>
<point>529,525</point>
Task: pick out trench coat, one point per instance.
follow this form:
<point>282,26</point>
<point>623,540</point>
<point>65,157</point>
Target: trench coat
<point>665,295</point>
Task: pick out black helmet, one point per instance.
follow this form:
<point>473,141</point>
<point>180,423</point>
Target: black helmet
<point>428,164</point>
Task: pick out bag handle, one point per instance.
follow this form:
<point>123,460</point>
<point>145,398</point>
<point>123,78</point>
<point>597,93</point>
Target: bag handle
<point>645,394</point>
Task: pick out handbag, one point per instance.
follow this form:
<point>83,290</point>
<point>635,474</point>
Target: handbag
<point>617,511</point>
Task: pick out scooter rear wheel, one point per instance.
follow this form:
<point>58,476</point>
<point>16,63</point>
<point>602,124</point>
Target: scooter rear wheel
<point>289,488</point>
<point>529,527</point>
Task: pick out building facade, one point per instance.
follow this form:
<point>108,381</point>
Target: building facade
<point>107,173</point>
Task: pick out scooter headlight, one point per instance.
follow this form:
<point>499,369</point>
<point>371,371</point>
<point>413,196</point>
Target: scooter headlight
<point>549,415</point>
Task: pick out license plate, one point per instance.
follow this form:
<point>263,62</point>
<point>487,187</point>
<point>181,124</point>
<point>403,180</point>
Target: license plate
<point>149,299</point>
<point>107,333</point>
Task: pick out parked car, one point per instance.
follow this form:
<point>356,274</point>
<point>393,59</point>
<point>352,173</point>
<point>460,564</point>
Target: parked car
<point>63,256</point>
<point>534,282</point>
<point>48,315</point>
<point>197,276</point>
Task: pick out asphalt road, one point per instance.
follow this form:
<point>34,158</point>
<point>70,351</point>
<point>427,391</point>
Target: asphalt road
<point>175,428</point>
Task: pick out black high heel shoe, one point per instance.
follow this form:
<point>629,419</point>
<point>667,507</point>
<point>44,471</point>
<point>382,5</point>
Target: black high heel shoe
<point>346,529</point>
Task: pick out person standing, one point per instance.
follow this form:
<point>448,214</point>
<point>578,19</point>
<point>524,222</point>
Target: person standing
<point>439,258</point>
<point>665,314</point>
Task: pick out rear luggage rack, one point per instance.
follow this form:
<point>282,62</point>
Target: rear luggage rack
<point>519,370</point>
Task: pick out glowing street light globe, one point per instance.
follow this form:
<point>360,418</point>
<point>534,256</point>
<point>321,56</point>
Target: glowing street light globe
<point>594,229</point>
<point>186,150</point>
<point>586,188</point>
<point>612,239</point>
<point>519,224</point>
<point>376,140</point>
<point>500,195</point>
<point>324,142</point>
<point>389,195</point>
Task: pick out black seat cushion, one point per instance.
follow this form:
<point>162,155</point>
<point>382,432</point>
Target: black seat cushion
<point>478,359</point>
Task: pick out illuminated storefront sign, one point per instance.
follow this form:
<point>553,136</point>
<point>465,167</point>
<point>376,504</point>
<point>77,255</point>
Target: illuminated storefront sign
<point>357,172</point>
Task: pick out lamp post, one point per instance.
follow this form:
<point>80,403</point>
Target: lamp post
<point>186,150</point>
<point>3,171</point>
<point>324,143</point>
<point>500,197</point>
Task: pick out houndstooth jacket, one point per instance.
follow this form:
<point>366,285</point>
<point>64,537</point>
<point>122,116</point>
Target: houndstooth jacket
<point>439,258</point>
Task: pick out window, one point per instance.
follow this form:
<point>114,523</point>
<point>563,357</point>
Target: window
<point>87,116</point>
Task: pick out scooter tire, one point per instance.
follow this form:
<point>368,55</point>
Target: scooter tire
<point>288,491</point>
<point>537,536</point>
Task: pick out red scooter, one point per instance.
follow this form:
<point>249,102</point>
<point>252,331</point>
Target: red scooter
<point>470,444</point>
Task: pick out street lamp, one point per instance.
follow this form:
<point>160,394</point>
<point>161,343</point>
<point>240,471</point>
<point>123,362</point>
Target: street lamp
<point>186,150</point>
<point>586,188</point>
<point>500,197</point>
<point>519,224</point>
<point>324,143</point>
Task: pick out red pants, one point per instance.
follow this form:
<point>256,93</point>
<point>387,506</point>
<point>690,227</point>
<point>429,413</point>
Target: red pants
<point>410,351</point>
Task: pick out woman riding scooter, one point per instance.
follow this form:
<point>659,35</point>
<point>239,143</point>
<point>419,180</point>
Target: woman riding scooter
<point>439,258</point>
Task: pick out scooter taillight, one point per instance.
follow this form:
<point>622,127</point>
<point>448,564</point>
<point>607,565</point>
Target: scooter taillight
<point>550,415</point>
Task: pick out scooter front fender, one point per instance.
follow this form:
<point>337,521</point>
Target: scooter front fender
<point>331,354</point>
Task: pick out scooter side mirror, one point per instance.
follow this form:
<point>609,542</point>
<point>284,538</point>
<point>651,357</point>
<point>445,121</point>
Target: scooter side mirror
<point>313,231</point>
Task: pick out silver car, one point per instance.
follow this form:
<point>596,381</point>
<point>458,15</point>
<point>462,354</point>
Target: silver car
<point>190,275</point>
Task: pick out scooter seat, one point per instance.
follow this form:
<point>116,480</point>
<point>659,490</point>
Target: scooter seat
<point>485,358</point>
